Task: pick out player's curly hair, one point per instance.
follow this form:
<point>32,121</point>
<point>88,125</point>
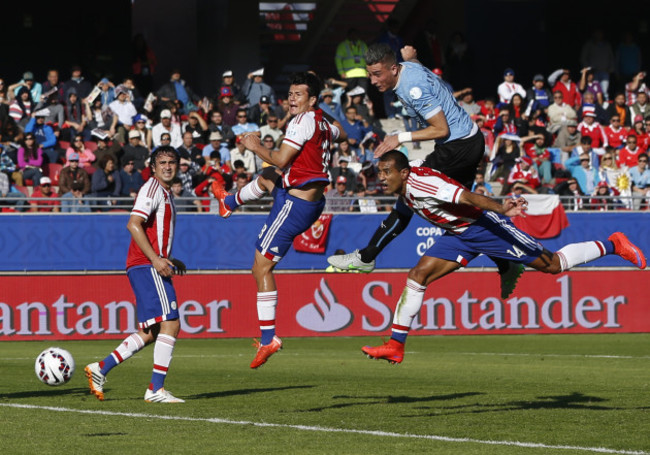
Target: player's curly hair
<point>163,150</point>
<point>313,82</point>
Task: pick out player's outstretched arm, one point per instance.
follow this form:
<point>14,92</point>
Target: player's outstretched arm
<point>437,128</point>
<point>511,207</point>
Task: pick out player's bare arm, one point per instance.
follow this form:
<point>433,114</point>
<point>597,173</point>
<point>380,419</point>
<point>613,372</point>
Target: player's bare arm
<point>510,207</point>
<point>437,128</point>
<point>136,227</point>
<point>280,158</point>
<point>409,54</point>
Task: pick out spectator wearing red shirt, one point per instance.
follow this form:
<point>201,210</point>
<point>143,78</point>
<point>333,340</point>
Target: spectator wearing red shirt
<point>569,89</point>
<point>616,134</point>
<point>629,155</point>
<point>523,174</point>
<point>590,127</point>
<point>44,190</point>
<point>642,136</point>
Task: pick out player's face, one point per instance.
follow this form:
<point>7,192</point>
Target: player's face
<point>299,99</point>
<point>165,168</point>
<point>383,76</point>
<point>392,180</point>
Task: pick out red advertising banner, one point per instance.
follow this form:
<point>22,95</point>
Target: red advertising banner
<point>317,304</point>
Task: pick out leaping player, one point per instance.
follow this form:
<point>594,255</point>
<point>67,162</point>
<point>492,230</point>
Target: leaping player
<point>473,224</point>
<point>298,195</point>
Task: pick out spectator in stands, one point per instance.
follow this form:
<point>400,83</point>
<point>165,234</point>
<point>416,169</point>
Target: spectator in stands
<point>72,174</point>
<point>538,152</point>
<point>9,168</point>
<point>107,95</point>
<point>44,190</point>
<point>569,89</point>
<point>99,118</point>
<point>538,97</point>
<point>184,200</point>
<point>585,147</point>
<point>140,125</point>
<point>559,113</point>
<point>166,126</point>
<point>505,123</point>
<point>479,180</point>
<point>9,195</point>
<point>44,135</point>
<point>187,149</point>
<point>586,174</point>
<point>35,88</point>
<point>509,87</point>
<point>72,201</point>
<point>589,104</point>
<point>177,90</point>
<point>369,178</point>
<point>198,127</point>
<point>123,112</point>
<point>53,82</point>
<point>639,131</point>
<point>246,156</point>
<point>573,197</point>
<point>640,106</point>
<point>616,134</point>
<point>187,170</point>
<point>343,169</point>
<point>228,81</point>
<point>357,98</point>
<point>640,176</point>
<point>260,112</point>
<point>362,203</point>
<point>355,126</point>
<point>217,124</point>
<point>227,106</point>
<point>619,107</point>
<point>328,105</point>
<point>588,84</point>
<point>636,85</point>
<point>53,110</point>
<point>609,172</point>
<point>86,157</point>
<point>105,147</point>
<point>137,152</point>
<point>344,150</point>
<point>217,143</point>
<point>506,153</point>
<point>589,127</point>
<point>75,117</point>
<point>81,85</point>
<point>21,107</point>
<point>524,176</point>
<point>468,103</point>
<point>567,139</point>
<point>243,125</point>
<point>271,129</point>
<point>255,88</point>
<point>628,156</point>
<point>30,159</point>
<point>130,178</point>
<point>601,199</point>
<point>106,182</point>
<point>338,198</point>
<point>350,60</point>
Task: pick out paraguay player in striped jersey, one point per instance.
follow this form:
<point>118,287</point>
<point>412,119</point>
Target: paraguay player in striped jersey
<point>297,184</point>
<point>150,266</point>
<point>474,225</point>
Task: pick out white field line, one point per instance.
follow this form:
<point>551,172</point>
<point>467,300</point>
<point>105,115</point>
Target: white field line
<point>386,434</point>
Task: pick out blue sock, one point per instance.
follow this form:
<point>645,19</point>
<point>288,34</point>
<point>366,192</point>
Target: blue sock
<point>267,336</point>
<point>399,336</point>
<point>157,381</point>
<point>231,202</point>
<point>609,246</point>
<point>107,364</point>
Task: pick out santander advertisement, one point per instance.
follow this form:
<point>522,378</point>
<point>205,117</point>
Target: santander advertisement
<point>318,304</point>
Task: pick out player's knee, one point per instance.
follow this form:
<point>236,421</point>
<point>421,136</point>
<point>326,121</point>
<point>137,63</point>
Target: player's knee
<point>418,274</point>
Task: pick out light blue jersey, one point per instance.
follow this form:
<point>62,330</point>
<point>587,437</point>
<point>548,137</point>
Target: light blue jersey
<point>423,95</point>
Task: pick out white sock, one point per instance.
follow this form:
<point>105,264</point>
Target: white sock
<point>131,344</point>
<point>250,192</point>
<point>162,353</point>
<point>266,304</point>
<point>409,304</point>
<point>580,253</point>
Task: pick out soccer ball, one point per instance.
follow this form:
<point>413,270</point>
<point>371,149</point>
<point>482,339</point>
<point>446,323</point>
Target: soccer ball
<point>54,366</point>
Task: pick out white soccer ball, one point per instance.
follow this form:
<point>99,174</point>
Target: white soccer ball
<point>54,366</point>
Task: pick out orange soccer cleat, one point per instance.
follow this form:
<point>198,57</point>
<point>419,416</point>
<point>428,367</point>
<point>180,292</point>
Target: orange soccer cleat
<point>392,351</point>
<point>627,250</point>
<point>264,352</point>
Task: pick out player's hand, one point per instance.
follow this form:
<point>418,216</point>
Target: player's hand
<point>179,267</point>
<point>389,143</point>
<point>163,266</point>
<point>250,140</point>
<point>409,53</point>
<point>515,207</point>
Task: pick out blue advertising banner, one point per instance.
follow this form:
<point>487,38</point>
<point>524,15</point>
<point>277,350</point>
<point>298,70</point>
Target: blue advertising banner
<point>99,242</point>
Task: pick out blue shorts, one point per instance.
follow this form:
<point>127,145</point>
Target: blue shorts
<point>155,297</point>
<point>493,235</point>
<point>289,217</point>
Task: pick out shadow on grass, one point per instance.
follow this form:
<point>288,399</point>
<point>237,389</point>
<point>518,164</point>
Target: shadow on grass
<point>390,399</point>
<point>230,393</point>
<point>44,393</point>
<point>575,400</point>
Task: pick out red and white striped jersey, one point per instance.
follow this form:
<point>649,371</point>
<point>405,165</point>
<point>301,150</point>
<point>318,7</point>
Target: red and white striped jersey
<point>435,197</point>
<point>156,206</point>
<point>313,135</point>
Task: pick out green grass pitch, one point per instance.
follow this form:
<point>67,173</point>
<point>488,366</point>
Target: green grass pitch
<point>529,394</point>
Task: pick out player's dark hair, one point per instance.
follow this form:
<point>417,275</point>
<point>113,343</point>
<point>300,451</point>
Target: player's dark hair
<point>401,161</point>
<point>313,82</point>
<point>380,53</point>
<point>163,150</point>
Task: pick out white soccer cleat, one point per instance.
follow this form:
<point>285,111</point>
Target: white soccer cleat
<point>351,262</point>
<point>161,396</point>
<point>96,380</point>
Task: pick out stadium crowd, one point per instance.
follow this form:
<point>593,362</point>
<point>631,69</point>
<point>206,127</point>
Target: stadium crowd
<point>71,140</point>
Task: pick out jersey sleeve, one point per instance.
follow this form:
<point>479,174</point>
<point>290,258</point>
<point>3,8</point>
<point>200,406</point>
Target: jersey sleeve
<point>336,133</point>
<point>424,183</point>
<point>145,202</point>
<point>300,130</point>
<point>422,93</point>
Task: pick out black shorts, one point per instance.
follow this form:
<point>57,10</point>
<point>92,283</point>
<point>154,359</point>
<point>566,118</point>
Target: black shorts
<point>458,159</point>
